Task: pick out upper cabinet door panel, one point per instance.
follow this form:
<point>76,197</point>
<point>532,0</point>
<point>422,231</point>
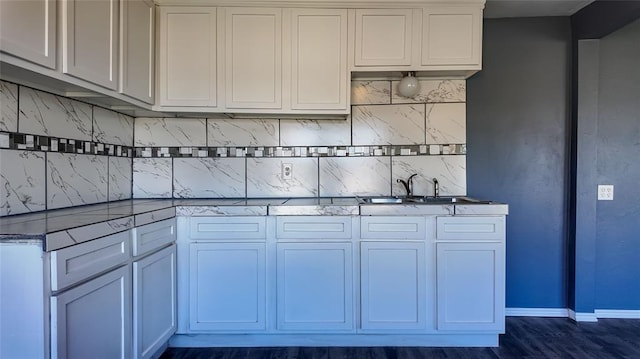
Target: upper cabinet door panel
<point>90,41</point>
<point>451,36</point>
<point>253,58</point>
<point>28,30</point>
<point>137,49</point>
<point>188,56</point>
<point>319,59</point>
<point>383,37</point>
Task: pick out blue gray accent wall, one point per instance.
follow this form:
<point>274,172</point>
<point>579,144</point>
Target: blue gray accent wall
<point>517,140</point>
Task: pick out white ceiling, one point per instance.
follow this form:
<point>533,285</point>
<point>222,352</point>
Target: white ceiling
<point>532,8</point>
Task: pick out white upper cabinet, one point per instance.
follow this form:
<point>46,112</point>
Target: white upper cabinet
<point>383,37</point>
<point>28,30</point>
<point>253,47</point>
<point>187,58</point>
<point>137,50</point>
<point>319,77</point>
<point>452,36</point>
<point>434,38</point>
<point>90,41</point>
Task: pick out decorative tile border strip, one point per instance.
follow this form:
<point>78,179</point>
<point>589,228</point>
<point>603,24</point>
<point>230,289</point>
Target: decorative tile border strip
<point>20,141</point>
<point>314,151</point>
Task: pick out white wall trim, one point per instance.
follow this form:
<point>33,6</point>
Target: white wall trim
<point>617,314</point>
<point>537,312</point>
<point>582,317</point>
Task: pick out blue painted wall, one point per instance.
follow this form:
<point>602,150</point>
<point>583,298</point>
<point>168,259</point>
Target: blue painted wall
<point>517,138</point>
<point>618,163</point>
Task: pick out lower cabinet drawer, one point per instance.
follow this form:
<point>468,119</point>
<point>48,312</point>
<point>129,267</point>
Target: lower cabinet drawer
<point>470,228</point>
<point>313,227</point>
<point>227,228</point>
<point>382,227</point>
<point>152,236</point>
<point>77,263</point>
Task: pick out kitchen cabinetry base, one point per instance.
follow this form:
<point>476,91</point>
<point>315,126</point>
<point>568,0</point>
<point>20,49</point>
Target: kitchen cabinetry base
<point>333,340</point>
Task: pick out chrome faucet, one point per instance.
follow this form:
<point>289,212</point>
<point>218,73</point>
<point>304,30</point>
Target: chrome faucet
<point>408,184</point>
<point>436,188</point>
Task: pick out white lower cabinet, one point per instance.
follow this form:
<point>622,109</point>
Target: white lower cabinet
<point>314,286</point>
<point>154,301</point>
<point>393,281</point>
<point>93,320</point>
<point>470,286</point>
<point>227,287</point>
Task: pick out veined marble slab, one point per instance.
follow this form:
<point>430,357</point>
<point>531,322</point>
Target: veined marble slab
<point>170,132</point>
<point>370,92</point>
<point>242,132</point>
<point>74,179</point>
<point>154,216</point>
<point>450,170</point>
<point>112,127</point>
<point>230,210</point>
<point>446,123</point>
<point>73,236</point>
<point>264,177</point>
<point>45,114</point>
<point>349,176</point>
<point>152,178</point>
<point>315,132</point>
<point>8,107</point>
<point>388,125</point>
<point>433,91</point>
<point>120,177</point>
<point>314,210</point>
<point>406,209</point>
<point>209,177</point>
<point>22,182</point>
<point>498,209</point>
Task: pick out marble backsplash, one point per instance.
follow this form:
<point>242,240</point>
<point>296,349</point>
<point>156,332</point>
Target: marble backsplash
<point>386,138</point>
<point>57,152</point>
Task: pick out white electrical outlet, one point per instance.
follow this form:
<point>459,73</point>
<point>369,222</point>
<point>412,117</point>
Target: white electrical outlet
<point>287,171</point>
<point>605,192</point>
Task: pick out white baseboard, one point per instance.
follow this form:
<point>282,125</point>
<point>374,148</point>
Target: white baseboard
<point>537,312</point>
<point>617,314</point>
<point>582,317</point>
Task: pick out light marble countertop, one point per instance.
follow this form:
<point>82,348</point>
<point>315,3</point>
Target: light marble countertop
<point>61,227</point>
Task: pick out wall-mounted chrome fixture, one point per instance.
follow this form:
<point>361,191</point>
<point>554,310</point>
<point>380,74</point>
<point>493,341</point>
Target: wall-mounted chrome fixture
<point>409,86</point>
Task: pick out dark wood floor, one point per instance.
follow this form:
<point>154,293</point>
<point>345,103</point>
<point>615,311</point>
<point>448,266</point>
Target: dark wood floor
<point>525,338</point>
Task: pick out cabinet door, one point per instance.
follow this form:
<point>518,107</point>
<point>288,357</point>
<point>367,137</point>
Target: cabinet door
<point>28,30</point>
<point>90,41</point>
<point>393,285</point>
<point>137,49</point>
<point>187,56</point>
<point>253,46</point>
<point>470,286</point>
<point>383,37</point>
<point>227,286</point>
<point>154,301</point>
<point>314,286</point>
<point>452,36</point>
<point>319,59</point>
<point>93,320</point>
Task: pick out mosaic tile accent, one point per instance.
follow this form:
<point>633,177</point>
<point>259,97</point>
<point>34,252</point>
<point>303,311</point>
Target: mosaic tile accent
<point>312,151</point>
<point>20,141</point>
